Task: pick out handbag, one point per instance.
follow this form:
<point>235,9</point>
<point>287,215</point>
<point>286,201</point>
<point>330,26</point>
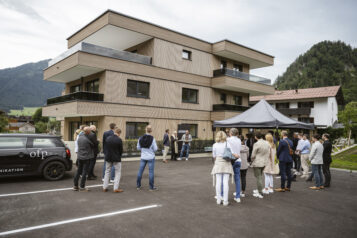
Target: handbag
<point>227,154</point>
<point>291,152</point>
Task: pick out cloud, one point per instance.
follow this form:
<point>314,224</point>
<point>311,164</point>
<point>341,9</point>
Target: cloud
<point>33,30</point>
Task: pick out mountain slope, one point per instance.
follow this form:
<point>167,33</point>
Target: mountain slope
<point>24,86</point>
<point>324,64</point>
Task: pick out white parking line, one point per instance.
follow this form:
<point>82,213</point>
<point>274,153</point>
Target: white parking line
<point>47,191</point>
<point>78,219</point>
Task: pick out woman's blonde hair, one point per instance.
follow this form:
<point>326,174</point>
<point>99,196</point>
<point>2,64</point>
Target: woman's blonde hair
<point>221,136</point>
<point>269,138</point>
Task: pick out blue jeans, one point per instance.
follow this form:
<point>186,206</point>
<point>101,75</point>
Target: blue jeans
<point>185,147</point>
<point>316,170</point>
<point>285,172</point>
<point>151,172</point>
<point>112,173</point>
<point>236,169</point>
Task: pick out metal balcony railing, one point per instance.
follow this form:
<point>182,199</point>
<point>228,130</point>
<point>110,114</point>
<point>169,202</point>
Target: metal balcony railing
<point>295,111</point>
<point>240,75</point>
<point>87,96</point>
<point>228,107</point>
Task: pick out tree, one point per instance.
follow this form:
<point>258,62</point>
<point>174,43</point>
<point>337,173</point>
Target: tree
<point>37,116</point>
<point>349,118</point>
<point>3,123</point>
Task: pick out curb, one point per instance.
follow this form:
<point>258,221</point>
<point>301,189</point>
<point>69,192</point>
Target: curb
<point>344,170</point>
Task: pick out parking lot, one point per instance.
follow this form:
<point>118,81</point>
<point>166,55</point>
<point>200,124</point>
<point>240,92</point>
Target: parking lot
<point>184,206</point>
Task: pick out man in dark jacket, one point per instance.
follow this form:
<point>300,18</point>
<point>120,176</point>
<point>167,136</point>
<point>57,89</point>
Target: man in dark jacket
<point>296,157</point>
<point>93,138</point>
<point>250,143</point>
<point>106,134</point>
<point>114,150</point>
<point>327,159</point>
<point>84,155</point>
<point>284,154</point>
<point>166,143</point>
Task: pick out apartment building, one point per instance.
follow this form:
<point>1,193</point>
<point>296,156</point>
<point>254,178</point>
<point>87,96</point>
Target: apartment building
<point>309,105</point>
<point>124,70</point>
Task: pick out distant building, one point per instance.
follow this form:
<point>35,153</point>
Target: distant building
<point>27,128</point>
<point>311,105</point>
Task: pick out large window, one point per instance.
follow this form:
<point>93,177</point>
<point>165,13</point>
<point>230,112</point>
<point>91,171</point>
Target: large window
<point>186,54</point>
<point>135,129</point>
<point>138,89</point>
<point>93,86</point>
<point>46,143</point>
<point>189,95</point>
<point>237,67</point>
<point>12,142</point>
<point>282,105</point>
<point>305,104</point>
<point>193,130</point>
<point>238,100</point>
<point>223,64</point>
<point>73,126</point>
<point>223,98</point>
<point>76,88</point>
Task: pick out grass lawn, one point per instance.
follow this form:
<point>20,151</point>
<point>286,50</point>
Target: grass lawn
<point>346,159</point>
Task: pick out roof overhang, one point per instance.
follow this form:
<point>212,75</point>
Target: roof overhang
<point>234,51</point>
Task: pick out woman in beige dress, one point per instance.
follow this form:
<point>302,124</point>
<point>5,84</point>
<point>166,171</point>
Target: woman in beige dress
<point>270,169</point>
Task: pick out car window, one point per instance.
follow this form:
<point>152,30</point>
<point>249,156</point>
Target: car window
<point>44,143</point>
<point>12,142</point>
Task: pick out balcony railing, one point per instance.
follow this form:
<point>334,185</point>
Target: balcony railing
<point>240,75</point>
<point>88,96</point>
<point>228,107</point>
<point>295,111</point>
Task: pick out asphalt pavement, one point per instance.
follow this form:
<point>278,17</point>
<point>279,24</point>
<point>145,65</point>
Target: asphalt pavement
<point>184,206</point>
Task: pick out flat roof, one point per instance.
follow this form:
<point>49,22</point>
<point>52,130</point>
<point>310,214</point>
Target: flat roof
<point>165,28</point>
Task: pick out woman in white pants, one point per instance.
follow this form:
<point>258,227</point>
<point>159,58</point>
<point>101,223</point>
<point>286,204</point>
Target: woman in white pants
<point>270,169</point>
<point>222,169</point>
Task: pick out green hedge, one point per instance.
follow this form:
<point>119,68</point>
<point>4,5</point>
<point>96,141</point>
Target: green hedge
<point>197,146</point>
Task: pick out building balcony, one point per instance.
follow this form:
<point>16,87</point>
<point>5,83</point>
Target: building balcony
<point>228,107</point>
<point>232,80</point>
<point>295,111</point>
<point>85,96</point>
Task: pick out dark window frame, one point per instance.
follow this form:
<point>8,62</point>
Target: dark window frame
<point>281,104</point>
<point>136,95</point>
<point>74,86</point>
<point>223,98</point>
<point>136,136</point>
<point>189,55</point>
<point>190,90</point>
<point>311,104</point>
<point>196,128</point>
<point>237,67</point>
<point>241,100</point>
<point>93,86</point>
<point>223,64</point>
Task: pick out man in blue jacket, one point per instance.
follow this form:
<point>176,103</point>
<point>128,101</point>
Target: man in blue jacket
<point>284,154</point>
<point>106,134</point>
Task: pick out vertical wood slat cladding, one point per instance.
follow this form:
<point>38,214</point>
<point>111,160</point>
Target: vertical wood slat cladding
<point>217,116</point>
<point>162,93</point>
<point>169,55</point>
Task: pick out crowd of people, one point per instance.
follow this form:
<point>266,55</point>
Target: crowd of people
<point>270,154</point>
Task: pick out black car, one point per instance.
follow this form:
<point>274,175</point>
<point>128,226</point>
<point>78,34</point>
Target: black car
<point>34,154</point>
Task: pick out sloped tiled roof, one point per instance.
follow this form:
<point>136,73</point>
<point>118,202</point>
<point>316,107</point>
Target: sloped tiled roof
<point>304,93</point>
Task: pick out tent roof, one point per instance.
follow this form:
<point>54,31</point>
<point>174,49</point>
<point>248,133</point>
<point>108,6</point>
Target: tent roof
<point>262,115</point>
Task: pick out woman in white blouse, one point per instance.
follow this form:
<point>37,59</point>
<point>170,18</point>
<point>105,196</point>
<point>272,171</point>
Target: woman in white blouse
<point>222,169</point>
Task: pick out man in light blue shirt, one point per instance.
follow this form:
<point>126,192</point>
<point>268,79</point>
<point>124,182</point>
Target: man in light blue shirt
<point>304,150</point>
<point>147,145</point>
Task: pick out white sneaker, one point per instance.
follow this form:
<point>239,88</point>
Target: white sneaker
<point>186,159</point>
<point>219,201</point>
<point>237,200</point>
<point>179,159</point>
<point>234,194</point>
<point>112,181</point>
<point>242,195</point>
<point>258,195</point>
<point>225,204</point>
<point>278,177</point>
<point>271,190</point>
<point>102,179</point>
<point>265,191</point>
<point>215,197</point>
<point>255,191</point>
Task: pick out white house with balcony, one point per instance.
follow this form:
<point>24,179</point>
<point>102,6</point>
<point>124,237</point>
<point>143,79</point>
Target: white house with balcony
<point>311,105</point>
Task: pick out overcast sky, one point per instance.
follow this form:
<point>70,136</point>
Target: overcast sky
<point>33,30</point>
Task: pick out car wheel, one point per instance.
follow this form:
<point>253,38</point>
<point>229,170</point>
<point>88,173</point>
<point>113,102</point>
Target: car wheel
<point>54,170</point>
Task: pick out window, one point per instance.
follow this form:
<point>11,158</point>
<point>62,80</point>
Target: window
<point>45,143</point>
<point>282,105</point>
<point>193,130</point>
<point>223,98</point>
<point>189,95</point>
<point>134,51</point>
<point>73,126</point>
<point>223,64</point>
<point>75,88</point>
<point>186,54</point>
<point>93,86</point>
<point>237,67</point>
<point>138,89</point>
<point>306,119</point>
<point>135,129</point>
<point>305,104</point>
<point>12,142</point>
<point>238,100</point>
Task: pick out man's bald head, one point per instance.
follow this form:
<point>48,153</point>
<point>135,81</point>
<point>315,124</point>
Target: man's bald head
<point>87,130</point>
<point>93,127</point>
